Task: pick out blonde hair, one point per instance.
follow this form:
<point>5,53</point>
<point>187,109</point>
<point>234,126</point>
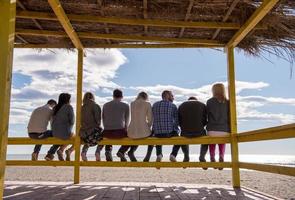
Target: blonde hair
<point>88,96</point>
<point>142,95</point>
<point>218,91</point>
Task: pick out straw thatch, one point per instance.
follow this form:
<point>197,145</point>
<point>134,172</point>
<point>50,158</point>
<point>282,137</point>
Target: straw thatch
<point>277,38</point>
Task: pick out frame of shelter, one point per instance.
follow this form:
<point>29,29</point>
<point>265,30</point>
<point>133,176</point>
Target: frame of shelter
<point>8,33</point>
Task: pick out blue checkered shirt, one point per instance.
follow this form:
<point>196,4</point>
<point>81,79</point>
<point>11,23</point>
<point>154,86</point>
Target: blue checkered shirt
<point>165,117</point>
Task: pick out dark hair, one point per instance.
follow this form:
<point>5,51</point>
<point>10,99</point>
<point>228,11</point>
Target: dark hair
<point>142,95</point>
<point>192,98</point>
<point>165,93</point>
<point>51,102</point>
<point>117,93</point>
<point>63,99</point>
<point>88,96</point>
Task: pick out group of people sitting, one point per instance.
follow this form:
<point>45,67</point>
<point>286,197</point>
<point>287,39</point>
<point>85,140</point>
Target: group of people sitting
<point>162,120</point>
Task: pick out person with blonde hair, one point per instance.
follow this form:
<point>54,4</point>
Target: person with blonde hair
<point>218,119</point>
<point>90,131</point>
<point>141,121</point>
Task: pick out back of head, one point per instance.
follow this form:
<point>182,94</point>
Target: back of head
<point>192,99</point>
<point>218,91</point>
<point>167,95</point>
<point>88,96</point>
<point>51,102</point>
<point>64,98</point>
<point>143,96</point>
<point>117,94</point>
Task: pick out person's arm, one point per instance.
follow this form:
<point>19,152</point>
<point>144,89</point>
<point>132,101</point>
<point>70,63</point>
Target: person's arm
<point>97,114</point>
<point>71,115</point>
<point>175,116</point>
<point>179,116</point>
<point>127,116</point>
<point>149,115</point>
<point>205,116</point>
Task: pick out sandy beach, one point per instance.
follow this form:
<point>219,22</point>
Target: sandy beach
<point>276,185</point>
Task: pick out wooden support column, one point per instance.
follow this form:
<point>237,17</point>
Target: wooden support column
<point>233,117</point>
<point>78,116</point>
<point>7,34</point>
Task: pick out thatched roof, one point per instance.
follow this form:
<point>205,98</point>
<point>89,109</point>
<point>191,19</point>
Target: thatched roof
<point>275,33</point>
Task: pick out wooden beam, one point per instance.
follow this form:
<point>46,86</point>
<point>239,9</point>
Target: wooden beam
<point>99,3</point>
<point>170,45</point>
<point>137,38</point>
<point>7,35</point>
<point>21,5</point>
<point>229,11</point>
<point>255,18</point>
<point>233,117</point>
<point>187,16</point>
<point>289,171</point>
<point>127,141</point>
<point>21,39</point>
<point>274,133</point>
<point>39,163</point>
<point>135,22</point>
<point>65,22</point>
<point>145,15</point>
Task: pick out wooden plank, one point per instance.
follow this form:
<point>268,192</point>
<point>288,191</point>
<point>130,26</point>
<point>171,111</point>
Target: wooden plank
<point>133,22</point>
<point>255,18</point>
<point>162,45</point>
<point>289,171</point>
<point>229,11</point>
<point>274,133</point>
<point>136,38</point>
<point>65,22</point>
<point>39,163</point>
<point>233,116</point>
<point>20,4</point>
<point>7,35</point>
<point>187,16</point>
<point>29,141</point>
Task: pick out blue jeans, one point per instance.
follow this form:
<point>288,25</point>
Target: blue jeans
<point>40,136</point>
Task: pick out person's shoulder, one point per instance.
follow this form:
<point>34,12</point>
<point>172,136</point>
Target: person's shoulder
<point>211,100</point>
<point>68,107</point>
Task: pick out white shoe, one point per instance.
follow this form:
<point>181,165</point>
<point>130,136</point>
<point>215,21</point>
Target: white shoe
<point>84,157</point>
<point>159,158</point>
<point>172,158</point>
<point>97,156</point>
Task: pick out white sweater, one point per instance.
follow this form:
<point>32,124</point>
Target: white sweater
<point>141,119</point>
<point>39,119</point>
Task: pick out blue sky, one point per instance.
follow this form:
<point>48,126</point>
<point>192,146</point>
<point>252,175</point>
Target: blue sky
<point>265,92</point>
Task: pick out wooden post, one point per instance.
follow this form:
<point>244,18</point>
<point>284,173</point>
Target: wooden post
<point>78,116</point>
<point>7,33</point>
<point>233,117</point>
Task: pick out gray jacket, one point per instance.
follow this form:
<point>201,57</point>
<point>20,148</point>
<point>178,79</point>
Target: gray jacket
<point>218,115</point>
<point>115,115</point>
<point>90,117</point>
<point>62,122</point>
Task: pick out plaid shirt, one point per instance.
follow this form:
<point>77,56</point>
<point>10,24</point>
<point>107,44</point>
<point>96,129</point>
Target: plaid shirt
<point>165,117</point>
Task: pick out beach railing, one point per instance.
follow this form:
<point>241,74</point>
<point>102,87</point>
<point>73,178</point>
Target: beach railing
<point>274,133</point>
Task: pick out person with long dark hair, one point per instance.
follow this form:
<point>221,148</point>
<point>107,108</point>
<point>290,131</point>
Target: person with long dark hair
<point>62,124</point>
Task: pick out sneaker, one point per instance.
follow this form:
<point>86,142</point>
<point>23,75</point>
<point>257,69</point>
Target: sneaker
<point>159,158</point>
<point>121,156</point>
<point>60,155</point>
<point>186,159</point>
<point>132,157</point>
<point>84,156</point>
<point>68,155</point>
<point>221,160</point>
<point>34,156</point>
<point>109,156</point>
<point>172,158</point>
<point>49,157</point>
<point>213,160</point>
<point>97,156</point>
<point>203,160</point>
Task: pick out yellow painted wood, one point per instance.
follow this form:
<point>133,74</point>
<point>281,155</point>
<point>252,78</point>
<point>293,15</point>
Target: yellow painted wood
<point>29,141</point>
<point>137,38</point>
<point>135,22</point>
<point>126,141</point>
<point>39,163</point>
<point>160,45</point>
<point>7,34</point>
<point>65,22</point>
<point>289,171</point>
<point>250,24</point>
<point>156,164</point>
<point>78,116</point>
<point>274,133</point>
<point>233,117</point>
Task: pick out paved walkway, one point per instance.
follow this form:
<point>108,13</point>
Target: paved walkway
<point>125,191</point>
